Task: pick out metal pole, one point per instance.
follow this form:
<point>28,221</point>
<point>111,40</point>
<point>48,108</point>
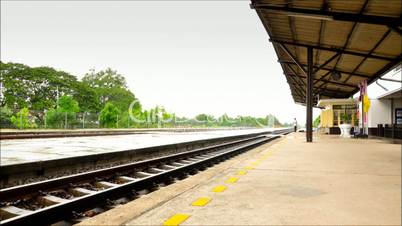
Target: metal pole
<point>83,120</point>
<point>45,120</point>
<point>20,119</point>
<point>362,97</point>
<point>392,111</point>
<point>65,120</point>
<point>117,122</point>
<point>309,96</point>
<point>392,118</point>
<point>57,97</point>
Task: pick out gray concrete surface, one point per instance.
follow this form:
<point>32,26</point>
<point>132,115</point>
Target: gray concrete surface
<point>31,150</point>
<point>332,181</point>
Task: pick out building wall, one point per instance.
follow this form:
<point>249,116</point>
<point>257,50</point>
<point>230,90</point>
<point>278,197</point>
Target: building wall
<point>397,104</point>
<point>327,118</point>
<point>379,112</point>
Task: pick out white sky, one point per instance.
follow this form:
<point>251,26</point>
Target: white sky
<point>190,57</point>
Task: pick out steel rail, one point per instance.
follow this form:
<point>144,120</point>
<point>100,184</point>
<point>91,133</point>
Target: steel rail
<point>64,210</point>
<point>57,183</point>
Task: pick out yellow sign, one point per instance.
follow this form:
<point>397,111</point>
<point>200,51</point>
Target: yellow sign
<point>366,103</point>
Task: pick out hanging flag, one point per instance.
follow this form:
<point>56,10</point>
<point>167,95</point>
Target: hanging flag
<point>366,105</point>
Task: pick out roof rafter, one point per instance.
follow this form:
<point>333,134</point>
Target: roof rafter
<point>348,38</point>
<point>293,58</point>
<point>385,35</point>
<point>330,69</point>
<point>339,39</point>
<point>332,49</point>
<point>383,70</point>
<point>333,92</point>
<point>324,6</point>
<point>328,81</point>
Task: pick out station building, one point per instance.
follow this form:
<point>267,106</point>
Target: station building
<point>385,115</point>
<point>327,49</point>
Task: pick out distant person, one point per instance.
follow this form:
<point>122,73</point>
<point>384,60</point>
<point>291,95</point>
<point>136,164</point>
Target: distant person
<point>295,124</point>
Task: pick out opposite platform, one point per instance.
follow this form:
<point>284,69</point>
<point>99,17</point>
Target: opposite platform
<point>332,181</point>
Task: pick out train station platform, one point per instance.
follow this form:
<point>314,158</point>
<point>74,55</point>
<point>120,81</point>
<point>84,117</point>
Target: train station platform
<point>332,181</point>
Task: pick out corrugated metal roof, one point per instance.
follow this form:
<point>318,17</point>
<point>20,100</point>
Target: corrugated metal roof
<point>355,39</point>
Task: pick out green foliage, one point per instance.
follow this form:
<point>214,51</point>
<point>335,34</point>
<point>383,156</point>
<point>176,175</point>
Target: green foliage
<point>317,121</point>
<point>22,120</point>
<point>86,98</point>
<point>37,88</point>
<point>201,117</point>
<point>104,91</point>
<point>108,116</point>
<point>55,118</point>
<point>65,113</point>
<point>111,87</point>
<point>5,117</point>
<point>346,118</point>
<point>104,79</point>
<point>68,104</point>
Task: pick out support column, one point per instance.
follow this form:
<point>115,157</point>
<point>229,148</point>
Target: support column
<point>309,96</point>
<point>393,123</point>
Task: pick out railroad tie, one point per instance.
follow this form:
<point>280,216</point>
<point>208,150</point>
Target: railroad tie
<point>12,211</point>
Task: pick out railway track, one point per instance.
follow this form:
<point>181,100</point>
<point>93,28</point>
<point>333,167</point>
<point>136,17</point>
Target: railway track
<point>76,197</point>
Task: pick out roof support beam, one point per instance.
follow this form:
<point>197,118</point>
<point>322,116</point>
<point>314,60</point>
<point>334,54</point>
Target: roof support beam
<point>384,36</point>
<point>390,80</point>
<point>329,15</point>
<point>324,6</point>
<point>326,91</point>
<point>309,96</point>
<point>396,29</point>
<point>327,81</point>
<point>332,49</point>
<point>329,69</point>
<point>348,38</point>
<point>298,88</point>
<point>383,71</point>
<point>293,59</point>
<point>295,73</point>
<point>326,62</point>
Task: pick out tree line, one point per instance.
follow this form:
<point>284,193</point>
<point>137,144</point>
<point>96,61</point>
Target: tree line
<point>32,96</point>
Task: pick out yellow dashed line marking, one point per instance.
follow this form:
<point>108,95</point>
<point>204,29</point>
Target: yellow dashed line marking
<point>254,163</point>
<point>176,219</point>
<point>219,188</point>
<point>242,172</point>
<point>267,155</point>
<point>201,201</point>
<point>232,180</point>
<point>248,168</point>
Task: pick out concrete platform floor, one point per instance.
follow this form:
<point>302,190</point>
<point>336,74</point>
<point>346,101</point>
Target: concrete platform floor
<point>332,181</point>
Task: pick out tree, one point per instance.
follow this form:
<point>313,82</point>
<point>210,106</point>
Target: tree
<point>5,117</point>
<point>64,114</point>
<point>104,79</point>
<point>37,88</point>
<point>55,118</point>
<point>22,120</point>
<point>86,98</point>
<point>109,115</point>
<point>110,87</point>
<point>68,104</point>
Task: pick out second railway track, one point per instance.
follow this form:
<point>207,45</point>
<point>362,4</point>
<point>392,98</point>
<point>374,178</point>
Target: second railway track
<point>80,195</point>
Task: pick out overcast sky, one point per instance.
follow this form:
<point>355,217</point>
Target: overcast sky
<point>190,57</point>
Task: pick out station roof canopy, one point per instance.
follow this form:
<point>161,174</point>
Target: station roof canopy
<point>329,102</point>
<point>392,94</point>
<point>351,41</point>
